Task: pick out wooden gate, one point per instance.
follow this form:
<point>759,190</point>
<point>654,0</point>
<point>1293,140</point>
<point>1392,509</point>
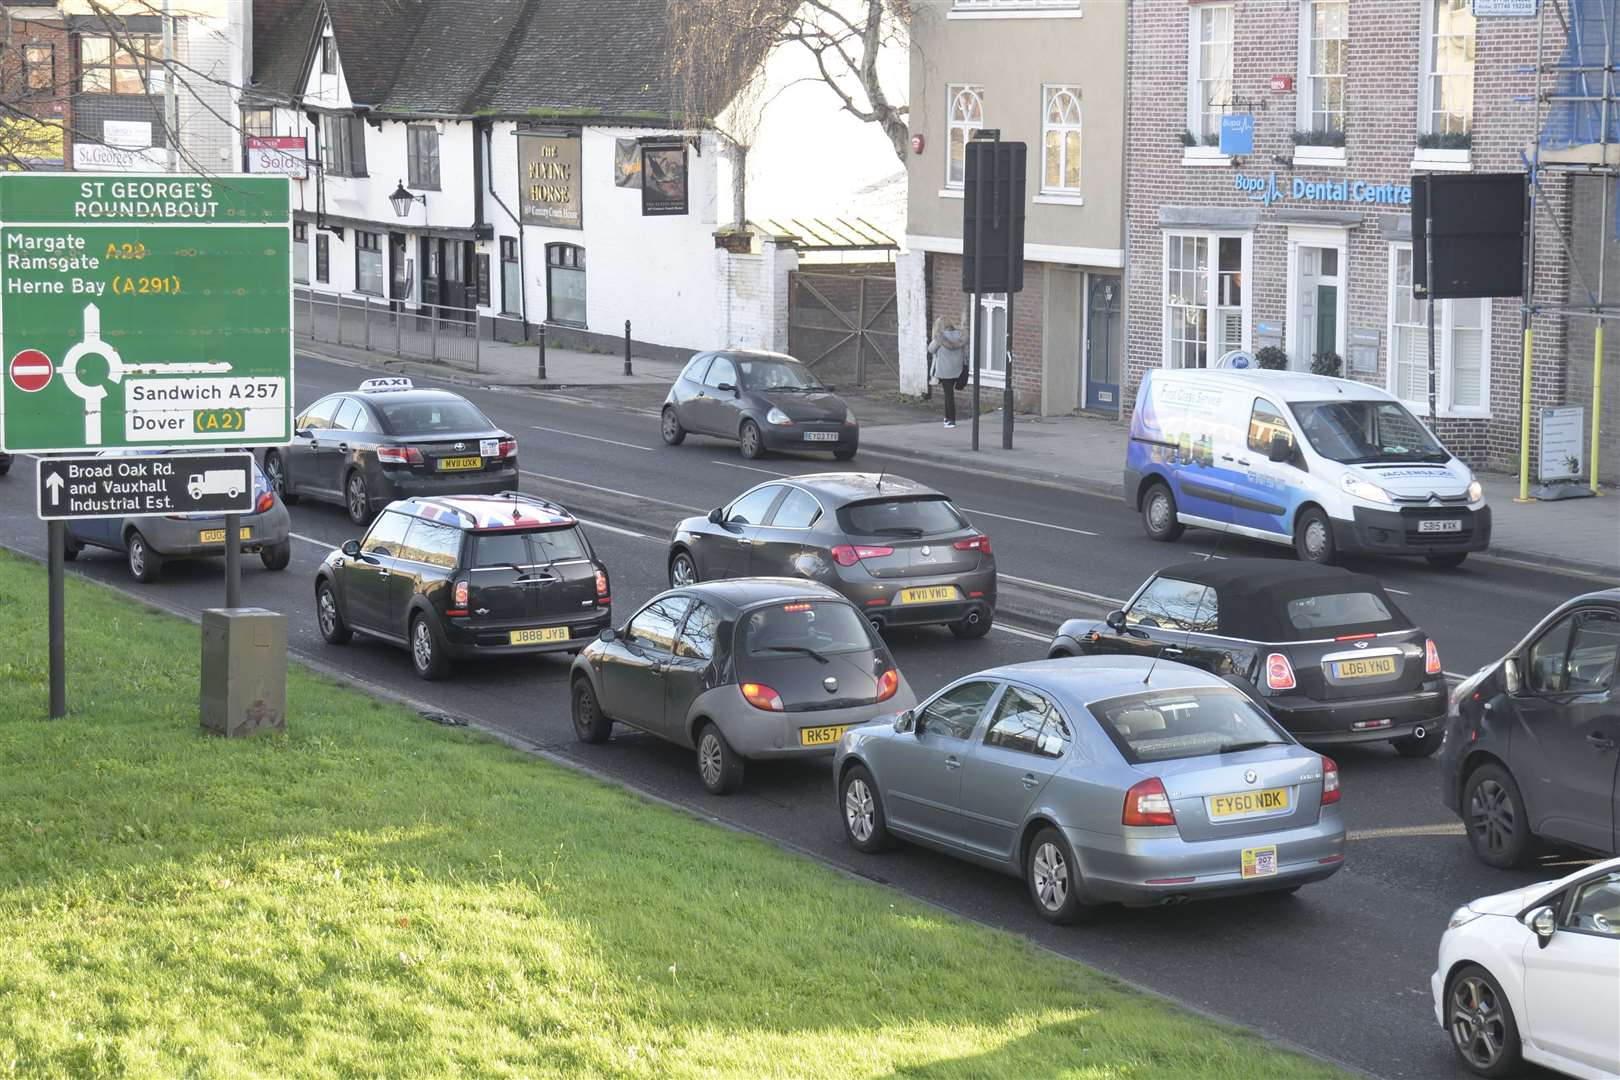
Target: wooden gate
<point>844,326</point>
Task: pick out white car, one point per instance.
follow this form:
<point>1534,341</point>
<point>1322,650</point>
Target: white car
<point>1534,975</point>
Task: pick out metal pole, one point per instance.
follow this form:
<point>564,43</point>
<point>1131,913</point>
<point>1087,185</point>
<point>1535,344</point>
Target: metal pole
<point>541,374</point>
<point>171,105</point>
<point>56,574</point>
<point>478,343</point>
<point>233,560</point>
<point>1007,386</point>
<point>1428,278</point>
<point>627,347</point>
<point>978,335</point>
<point>433,329</point>
<point>1597,405</point>
<point>399,322</point>
<point>368,324</point>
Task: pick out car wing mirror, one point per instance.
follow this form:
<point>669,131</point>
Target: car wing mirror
<point>1543,923</point>
<point>351,548</point>
<point>903,721</point>
<point>1116,621</point>
<point>1282,449</point>
<point>717,516</point>
<point>608,635</point>
<point>1511,675</point>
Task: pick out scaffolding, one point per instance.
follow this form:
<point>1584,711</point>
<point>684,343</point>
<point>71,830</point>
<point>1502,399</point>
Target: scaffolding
<point>1578,137</point>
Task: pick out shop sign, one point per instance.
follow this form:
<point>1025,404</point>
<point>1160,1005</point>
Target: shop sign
<point>1494,9</point>
<point>1561,429</point>
<point>277,155</point>
<point>1267,190</point>
<point>98,157</point>
<point>1237,134</point>
<point>663,180</point>
<point>548,180</point>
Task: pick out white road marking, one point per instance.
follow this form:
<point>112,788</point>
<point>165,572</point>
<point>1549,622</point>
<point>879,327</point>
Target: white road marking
<point>622,532</point>
<point>1397,592</point>
<point>747,468</point>
<point>1027,521</point>
<point>312,540</point>
<point>593,438</point>
<point>1081,593</point>
<point>1021,633</point>
<point>610,491</point>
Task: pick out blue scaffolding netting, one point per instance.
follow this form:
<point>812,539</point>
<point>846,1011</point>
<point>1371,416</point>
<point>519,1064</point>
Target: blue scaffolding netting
<point>1594,43</point>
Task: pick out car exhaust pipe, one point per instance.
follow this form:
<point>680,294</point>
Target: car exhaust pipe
<point>1418,732</point>
<point>973,618</point>
<point>1174,900</point>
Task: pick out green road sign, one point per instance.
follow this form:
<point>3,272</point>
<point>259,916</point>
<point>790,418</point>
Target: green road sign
<point>144,311</point>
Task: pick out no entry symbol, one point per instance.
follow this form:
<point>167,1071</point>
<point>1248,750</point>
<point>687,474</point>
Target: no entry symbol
<point>31,370</point>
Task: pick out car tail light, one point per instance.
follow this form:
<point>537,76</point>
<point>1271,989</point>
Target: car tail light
<point>508,447</point>
<point>601,584</point>
<point>1330,781</point>
<point>1147,804</point>
<point>1431,657</point>
<point>888,683</point>
<point>980,543</point>
<point>761,696</point>
<point>399,455</point>
<point>266,501</point>
<point>459,597</point>
<point>1279,672</point>
<point>849,554</point>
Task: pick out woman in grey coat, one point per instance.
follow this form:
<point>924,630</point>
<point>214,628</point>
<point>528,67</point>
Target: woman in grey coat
<point>947,347</point>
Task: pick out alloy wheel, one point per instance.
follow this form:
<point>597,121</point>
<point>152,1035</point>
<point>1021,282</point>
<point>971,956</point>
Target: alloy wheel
<point>858,810</point>
<point>422,645</point>
<point>682,573</point>
<point>1478,1027</point>
<point>357,497</point>
<point>709,759</point>
<point>1051,872</point>
<point>1490,816</point>
<point>277,472</point>
<point>750,441</point>
<point>327,613</point>
<point>671,425</point>
<point>137,555</point>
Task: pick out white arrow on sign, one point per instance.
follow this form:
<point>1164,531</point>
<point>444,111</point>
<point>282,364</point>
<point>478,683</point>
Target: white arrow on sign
<point>54,483</point>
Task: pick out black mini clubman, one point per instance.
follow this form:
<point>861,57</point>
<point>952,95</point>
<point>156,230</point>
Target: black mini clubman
<point>464,576</point>
<point>1327,651</point>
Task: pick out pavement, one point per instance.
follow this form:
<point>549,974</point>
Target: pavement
<point>1076,453</point>
<point>1321,970</point>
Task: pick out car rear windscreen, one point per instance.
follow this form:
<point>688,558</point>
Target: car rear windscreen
<point>1163,725</point>
<point>1336,611</point>
<point>446,416</point>
<point>821,626</point>
<point>528,548</point>
<point>926,516</point>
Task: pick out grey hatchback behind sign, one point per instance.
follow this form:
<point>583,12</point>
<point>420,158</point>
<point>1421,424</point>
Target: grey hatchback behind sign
<point>1098,779</point>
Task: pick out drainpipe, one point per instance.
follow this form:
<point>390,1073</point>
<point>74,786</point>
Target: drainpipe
<point>478,181</point>
<point>523,261</point>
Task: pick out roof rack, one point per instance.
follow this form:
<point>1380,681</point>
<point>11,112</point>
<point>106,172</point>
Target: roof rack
<point>535,500</point>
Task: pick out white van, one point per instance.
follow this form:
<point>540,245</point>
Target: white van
<point>1326,465</point>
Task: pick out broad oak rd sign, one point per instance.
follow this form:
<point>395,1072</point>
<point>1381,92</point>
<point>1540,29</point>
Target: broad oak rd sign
<point>144,311</point>
<point>145,485</point>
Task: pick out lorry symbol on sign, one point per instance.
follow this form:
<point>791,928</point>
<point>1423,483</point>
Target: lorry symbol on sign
<point>92,396</point>
<point>217,482</point>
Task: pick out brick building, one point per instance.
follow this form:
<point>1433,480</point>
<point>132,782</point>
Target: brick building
<point>1304,243</point>
<point>36,78</point>
<point>1050,74</point>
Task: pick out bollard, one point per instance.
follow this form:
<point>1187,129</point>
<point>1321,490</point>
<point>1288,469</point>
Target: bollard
<point>541,374</point>
<point>627,346</point>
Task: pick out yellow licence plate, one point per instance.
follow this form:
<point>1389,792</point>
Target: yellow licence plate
<point>1365,669</point>
<point>446,464</point>
<point>821,736</point>
<point>932,594</point>
<point>542,636</point>
<point>1260,861</point>
<point>217,536</point>
<point>1240,803</point>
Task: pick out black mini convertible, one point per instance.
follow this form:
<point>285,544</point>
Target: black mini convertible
<point>1327,651</point>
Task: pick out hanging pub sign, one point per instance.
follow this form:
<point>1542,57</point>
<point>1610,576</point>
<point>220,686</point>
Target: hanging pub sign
<point>626,163</point>
<point>548,180</point>
<point>663,180</point>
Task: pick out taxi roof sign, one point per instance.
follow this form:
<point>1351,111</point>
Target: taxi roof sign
<point>395,382</point>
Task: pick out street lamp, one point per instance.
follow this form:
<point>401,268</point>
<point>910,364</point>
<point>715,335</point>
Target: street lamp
<point>402,200</point>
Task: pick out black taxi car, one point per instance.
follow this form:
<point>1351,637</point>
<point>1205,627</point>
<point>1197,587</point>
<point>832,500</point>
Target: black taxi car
<point>1327,651</point>
<point>466,576</point>
<point>389,440</point>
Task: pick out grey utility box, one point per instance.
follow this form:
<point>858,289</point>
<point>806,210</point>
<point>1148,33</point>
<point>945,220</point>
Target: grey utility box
<point>244,671</point>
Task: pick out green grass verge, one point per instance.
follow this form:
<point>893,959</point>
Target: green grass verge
<point>372,894</point>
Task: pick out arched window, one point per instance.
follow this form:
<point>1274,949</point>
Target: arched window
<point>1060,141</point>
<point>565,284</point>
<point>964,116</point>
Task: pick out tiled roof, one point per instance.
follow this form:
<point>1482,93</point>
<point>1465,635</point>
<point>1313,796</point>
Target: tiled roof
<point>540,59</point>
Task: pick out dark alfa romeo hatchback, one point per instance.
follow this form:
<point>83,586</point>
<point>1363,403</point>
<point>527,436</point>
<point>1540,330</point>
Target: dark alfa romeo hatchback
<point>1326,650</point>
<point>465,576</point>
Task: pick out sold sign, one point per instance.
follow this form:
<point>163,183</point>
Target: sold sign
<point>31,370</point>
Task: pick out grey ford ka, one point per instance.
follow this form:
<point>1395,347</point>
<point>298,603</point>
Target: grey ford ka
<point>1098,779</point>
<point>738,671</point>
<point>897,549</point>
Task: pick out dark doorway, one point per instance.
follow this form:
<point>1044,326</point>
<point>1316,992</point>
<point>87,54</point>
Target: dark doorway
<point>1104,343</point>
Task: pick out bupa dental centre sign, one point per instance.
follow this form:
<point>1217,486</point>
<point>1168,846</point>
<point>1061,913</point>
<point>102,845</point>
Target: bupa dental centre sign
<point>1267,190</point>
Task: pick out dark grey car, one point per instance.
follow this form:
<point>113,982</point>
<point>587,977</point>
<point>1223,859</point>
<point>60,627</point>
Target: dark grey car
<point>1532,746</point>
<point>1098,779</point>
<point>763,400</point>
<point>899,550</point>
